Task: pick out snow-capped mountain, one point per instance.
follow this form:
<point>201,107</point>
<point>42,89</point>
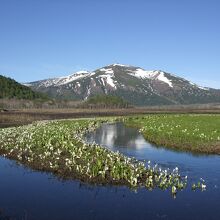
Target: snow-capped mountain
<point>134,84</point>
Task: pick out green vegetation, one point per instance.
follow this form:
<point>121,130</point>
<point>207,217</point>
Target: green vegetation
<point>58,147</point>
<point>105,101</point>
<point>195,133</point>
<point>9,89</point>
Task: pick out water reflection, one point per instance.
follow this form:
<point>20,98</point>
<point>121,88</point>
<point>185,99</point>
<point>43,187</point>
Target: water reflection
<point>130,142</point>
<point>116,136</point>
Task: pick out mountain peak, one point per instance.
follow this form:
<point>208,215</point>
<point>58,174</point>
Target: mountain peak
<point>134,84</point>
<point>121,65</point>
<point>81,72</point>
<point>116,65</point>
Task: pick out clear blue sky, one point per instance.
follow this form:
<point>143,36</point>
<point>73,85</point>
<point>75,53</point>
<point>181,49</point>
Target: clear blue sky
<point>47,38</point>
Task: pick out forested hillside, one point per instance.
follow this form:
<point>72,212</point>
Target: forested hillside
<point>9,88</point>
<point>105,101</point>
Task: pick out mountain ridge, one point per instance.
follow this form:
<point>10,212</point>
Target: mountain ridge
<point>134,84</point>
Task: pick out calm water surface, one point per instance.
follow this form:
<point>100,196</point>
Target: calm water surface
<point>27,194</point>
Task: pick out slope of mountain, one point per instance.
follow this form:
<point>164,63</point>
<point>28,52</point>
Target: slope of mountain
<point>9,88</point>
<point>133,84</point>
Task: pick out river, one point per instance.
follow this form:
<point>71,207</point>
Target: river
<point>26,194</point>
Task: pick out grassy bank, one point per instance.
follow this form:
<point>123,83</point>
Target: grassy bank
<point>194,133</point>
<point>58,147</point>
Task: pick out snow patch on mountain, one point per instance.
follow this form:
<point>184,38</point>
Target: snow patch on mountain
<point>72,77</point>
<point>200,87</point>
<point>107,79</point>
<point>157,75</point>
<point>107,70</point>
<point>140,73</point>
<point>111,82</point>
<point>49,82</point>
<point>203,88</point>
<point>27,84</point>
<point>88,93</point>
<point>62,80</point>
<point>80,72</point>
<point>163,78</point>
<point>92,73</point>
<point>121,65</point>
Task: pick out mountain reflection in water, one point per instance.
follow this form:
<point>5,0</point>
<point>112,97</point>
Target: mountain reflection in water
<point>117,135</point>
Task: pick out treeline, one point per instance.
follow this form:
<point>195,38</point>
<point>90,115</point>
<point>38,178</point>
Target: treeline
<point>11,89</point>
<point>105,101</point>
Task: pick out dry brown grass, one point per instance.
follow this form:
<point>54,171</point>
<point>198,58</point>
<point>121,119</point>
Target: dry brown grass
<point>25,116</point>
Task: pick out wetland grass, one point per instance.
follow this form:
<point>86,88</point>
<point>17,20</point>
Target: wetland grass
<point>188,132</point>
